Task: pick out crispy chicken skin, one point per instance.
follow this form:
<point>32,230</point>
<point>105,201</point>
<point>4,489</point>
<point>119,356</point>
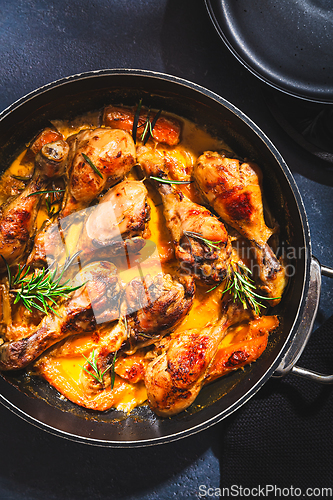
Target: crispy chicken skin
<point>151,307</point>
<point>111,151</point>
<point>119,223</point>
<point>183,217</point>
<point>96,301</point>
<point>18,217</point>
<point>233,190</point>
<point>155,305</point>
<point>166,129</point>
<point>244,349</point>
<point>174,378</point>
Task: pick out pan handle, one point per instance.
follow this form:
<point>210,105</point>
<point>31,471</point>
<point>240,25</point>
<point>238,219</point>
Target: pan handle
<point>288,363</point>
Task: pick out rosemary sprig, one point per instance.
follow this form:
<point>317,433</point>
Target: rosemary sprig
<point>209,243</point>
<point>113,373</point>
<point>41,290</point>
<point>148,126</point>
<point>92,165</point>
<point>98,374</point>
<point>46,191</point>
<point>241,286</point>
<point>168,181</point>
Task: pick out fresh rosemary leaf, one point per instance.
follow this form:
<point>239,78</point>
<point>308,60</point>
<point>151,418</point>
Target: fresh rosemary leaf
<point>42,290</point>
<point>46,191</point>
<point>8,270</point>
<point>136,121</point>
<point>98,374</point>
<point>113,373</point>
<point>211,289</point>
<point>211,244</point>
<point>152,125</point>
<point>92,165</point>
<point>242,287</point>
<point>168,181</point>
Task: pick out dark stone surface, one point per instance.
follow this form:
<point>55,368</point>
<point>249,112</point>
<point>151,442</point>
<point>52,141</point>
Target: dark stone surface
<point>44,40</point>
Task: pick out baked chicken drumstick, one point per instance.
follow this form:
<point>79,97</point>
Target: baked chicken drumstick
<point>202,245</point>
<point>233,190</point>
<point>151,307</point>
<point>117,224</point>
<point>18,217</point>
<point>96,301</point>
<point>174,378</point>
<point>110,151</point>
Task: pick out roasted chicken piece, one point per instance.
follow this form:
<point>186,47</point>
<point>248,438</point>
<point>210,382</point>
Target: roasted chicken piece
<point>110,151</point>
<point>119,223</point>
<point>97,301</point>
<point>248,343</point>
<point>233,189</point>
<point>151,306</point>
<point>166,129</point>
<point>18,216</point>
<point>155,305</point>
<point>202,245</point>
<point>174,378</point>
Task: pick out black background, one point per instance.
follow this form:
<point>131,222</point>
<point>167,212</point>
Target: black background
<point>282,436</point>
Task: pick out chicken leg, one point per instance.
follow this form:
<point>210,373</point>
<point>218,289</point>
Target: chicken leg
<point>233,190</point>
<point>174,378</point>
<point>202,245</point>
<point>100,158</point>
<point>17,220</point>
<point>95,302</point>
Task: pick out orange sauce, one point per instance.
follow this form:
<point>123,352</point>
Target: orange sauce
<point>62,365</point>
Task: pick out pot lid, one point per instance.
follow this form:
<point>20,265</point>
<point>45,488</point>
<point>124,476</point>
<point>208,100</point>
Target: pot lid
<point>287,44</point>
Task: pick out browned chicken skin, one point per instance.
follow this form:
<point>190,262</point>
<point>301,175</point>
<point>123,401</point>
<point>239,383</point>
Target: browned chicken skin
<point>111,151</point>
<point>154,305</point>
<point>17,220</point>
<point>95,302</point>
<point>233,190</point>
<point>119,223</point>
<point>190,224</point>
<point>151,306</point>
<point>174,379</point>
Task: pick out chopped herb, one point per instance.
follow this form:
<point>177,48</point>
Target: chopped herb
<point>148,126</point>
<point>152,125</point>
<point>210,244</point>
<point>168,181</point>
<point>113,373</point>
<point>92,165</point>
<point>46,191</point>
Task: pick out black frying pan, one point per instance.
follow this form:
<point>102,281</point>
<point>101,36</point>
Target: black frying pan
<point>36,401</point>
<point>286,44</point>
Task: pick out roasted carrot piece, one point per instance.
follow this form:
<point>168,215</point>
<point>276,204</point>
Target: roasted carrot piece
<point>166,129</point>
